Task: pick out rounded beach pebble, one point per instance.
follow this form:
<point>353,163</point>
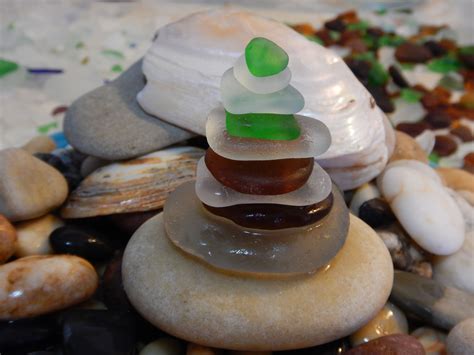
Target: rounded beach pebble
<point>423,206</point>
<point>8,239</point>
<point>29,188</point>
<point>37,285</point>
<point>179,294</point>
<point>460,340</point>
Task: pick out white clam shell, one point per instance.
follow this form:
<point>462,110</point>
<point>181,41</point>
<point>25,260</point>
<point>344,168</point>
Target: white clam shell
<point>213,193</point>
<point>263,84</point>
<point>140,184</point>
<point>188,58</point>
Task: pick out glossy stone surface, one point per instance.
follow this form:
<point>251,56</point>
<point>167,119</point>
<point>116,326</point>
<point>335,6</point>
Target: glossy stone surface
<point>262,126</point>
<point>98,332</point>
<point>376,213</point>
<point>264,177</point>
<point>273,216</point>
<point>36,285</point>
<point>33,235</point>
<point>364,193</point>
<point>264,57</point>
<point>176,292</point>
<point>314,140</point>
<point>213,193</point>
<point>390,320</point>
<point>435,304</point>
<point>30,334</point>
<point>8,239</point>
<point>29,188</point>
<point>84,242</point>
<point>433,341</point>
<point>396,344</point>
<point>460,340</point>
<point>227,246</point>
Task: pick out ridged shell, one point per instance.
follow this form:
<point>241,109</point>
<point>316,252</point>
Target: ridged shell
<point>186,61</point>
<point>140,184</point>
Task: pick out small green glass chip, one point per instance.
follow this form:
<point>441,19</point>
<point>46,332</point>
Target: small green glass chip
<point>264,57</point>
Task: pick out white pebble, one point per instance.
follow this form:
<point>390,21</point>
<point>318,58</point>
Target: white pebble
<point>423,206</point>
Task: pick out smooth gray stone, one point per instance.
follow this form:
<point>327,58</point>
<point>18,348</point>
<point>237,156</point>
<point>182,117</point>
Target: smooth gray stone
<point>108,123</point>
<point>440,306</point>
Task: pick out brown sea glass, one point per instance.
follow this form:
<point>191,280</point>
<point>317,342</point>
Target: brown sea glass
<point>262,177</point>
<point>273,216</point>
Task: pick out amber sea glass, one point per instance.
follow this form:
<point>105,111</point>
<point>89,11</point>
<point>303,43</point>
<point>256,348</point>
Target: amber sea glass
<point>265,177</point>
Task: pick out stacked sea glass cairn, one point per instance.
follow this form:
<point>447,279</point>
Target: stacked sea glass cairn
<point>261,205</point>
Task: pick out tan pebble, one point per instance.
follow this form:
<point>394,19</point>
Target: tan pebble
<point>33,236</point>
<point>7,239</point>
<point>195,349</point>
<point>37,285</point>
<point>457,179</point>
<point>460,340</point>
<point>40,144</point>
<point>407,147</point>
<point>390,320</point>
<point>29,188</point>
<point>163,346</point>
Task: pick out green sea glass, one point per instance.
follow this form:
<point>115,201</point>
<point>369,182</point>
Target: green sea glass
<point>7,67</point>
<point>264,57</point>
<point>262,126</point>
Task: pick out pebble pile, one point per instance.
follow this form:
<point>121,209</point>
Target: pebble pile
<point>67,216</point>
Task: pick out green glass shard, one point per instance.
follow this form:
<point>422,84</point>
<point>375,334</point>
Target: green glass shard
<point>378,76</point>
<point>468,50</point>
<point>264,57</point>
<point>444,64</point>
<point>7,67</point>
<point>314,38</point>
<point>262,126</point>
<point>411,95</point>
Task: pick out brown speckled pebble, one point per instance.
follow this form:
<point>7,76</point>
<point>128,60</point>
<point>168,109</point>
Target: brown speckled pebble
<point>407,147</point>
<point>37,285</point>
<point>457,179</point>
<point>460,340</point>
<point>396,344</point>
<point>7,239</point>
<point>190,300</point>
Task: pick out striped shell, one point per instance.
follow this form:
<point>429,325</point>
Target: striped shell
<point>140,184</point>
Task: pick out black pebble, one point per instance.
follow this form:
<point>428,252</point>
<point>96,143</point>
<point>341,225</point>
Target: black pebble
<point>85,242</point>
<point>360,68</point>
<point>113,292</point>
<point>98,332</point>
<point>27,335</point>
<point>436,49</point>
<point>397,77</point>
<point>376,213</point>
<point>438,119</point>
<point>335,25</point>
<point>382,98</point>
<point>70,172</point>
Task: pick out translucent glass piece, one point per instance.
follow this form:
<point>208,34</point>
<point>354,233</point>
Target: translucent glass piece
<point>227,246</point>
<point>264,57</point>
<point>260,177</point>
<point>271,216</point>
<point>260,85</point>
<point>314,140</point>
<point>262,126</point>
<point>213,193</point>
<point>237,99</point>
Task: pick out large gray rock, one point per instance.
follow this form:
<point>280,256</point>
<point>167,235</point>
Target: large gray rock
<point>108,122</point>
<point>29,188</point>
